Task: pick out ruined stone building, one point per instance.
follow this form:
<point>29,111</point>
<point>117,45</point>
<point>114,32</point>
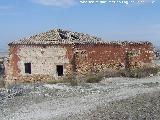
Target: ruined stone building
<point>58,53</point>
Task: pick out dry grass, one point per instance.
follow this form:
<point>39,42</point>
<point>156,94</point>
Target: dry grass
<point>68,79</point>
<point>136,73</point>
<point>94,78</point>
<point>143,72</point>
<point>97,77</point>
<point>55,81</point>
<point>2,83</point>
<point>72,80</point>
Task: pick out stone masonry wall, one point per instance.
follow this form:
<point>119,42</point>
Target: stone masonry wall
<point>104,57</point>
<point>43,61</point>
<point>79,58</point>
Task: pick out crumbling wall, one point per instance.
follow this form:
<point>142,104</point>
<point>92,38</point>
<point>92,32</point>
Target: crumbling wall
<point>112,57</point>
<point>11,67</point>
<point>43,61</point>
<point>140,55</point>
<point>75,58</point>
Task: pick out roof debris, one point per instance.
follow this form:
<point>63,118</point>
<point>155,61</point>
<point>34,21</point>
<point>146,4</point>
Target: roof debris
<point>59,36</point>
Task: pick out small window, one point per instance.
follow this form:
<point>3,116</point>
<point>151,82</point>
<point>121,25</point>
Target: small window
<point>60,70</point>
<point>27,68</point>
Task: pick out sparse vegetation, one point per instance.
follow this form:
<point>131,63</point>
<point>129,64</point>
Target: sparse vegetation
<point>68,79</point>
<point>53,81</point>
<point>143,72</point>
<point>114,73</point>
<point>72,80</point>
<point>94,78</point>
<point>97,77</point>
<point>2,83</point>
<point>99,100</point>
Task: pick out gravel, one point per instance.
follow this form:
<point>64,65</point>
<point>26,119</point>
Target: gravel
<point>111,99</point>
<point>141,107</point>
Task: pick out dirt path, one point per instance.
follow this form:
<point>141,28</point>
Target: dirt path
<point>77,102</point>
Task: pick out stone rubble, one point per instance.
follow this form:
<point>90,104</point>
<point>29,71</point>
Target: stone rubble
<point>60,36</point>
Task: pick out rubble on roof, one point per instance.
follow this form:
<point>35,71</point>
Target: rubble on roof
<point>60,36</point>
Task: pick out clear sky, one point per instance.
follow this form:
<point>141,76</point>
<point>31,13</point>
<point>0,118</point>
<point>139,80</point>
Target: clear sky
<point>112,21</point>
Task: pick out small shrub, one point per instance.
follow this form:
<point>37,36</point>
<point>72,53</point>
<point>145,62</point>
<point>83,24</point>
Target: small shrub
<point>68,79</point>
<point>143,72</point>
<point>72,80</point>
<point>55,81</point>
<point>50,82</point>
<point>115,73</point>
<point>92,78</point>
<point>2,83</point>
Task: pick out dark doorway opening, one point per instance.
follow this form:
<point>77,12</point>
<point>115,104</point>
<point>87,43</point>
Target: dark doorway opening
<point>27,68</point>
<point>60,70</point>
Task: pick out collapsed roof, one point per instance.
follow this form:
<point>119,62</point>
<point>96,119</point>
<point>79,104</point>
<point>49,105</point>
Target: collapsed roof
<point>58,36</point>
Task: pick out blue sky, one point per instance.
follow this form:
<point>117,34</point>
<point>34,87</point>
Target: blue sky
<point>135,21</point>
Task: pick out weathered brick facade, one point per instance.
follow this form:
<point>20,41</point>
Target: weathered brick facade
<point>99,57</point>
<point>52,61</point>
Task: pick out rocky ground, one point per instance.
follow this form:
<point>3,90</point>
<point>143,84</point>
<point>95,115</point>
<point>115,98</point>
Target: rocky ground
<point>111,99</point>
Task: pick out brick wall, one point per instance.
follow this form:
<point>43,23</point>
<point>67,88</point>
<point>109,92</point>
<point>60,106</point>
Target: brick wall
<point>103,57</point>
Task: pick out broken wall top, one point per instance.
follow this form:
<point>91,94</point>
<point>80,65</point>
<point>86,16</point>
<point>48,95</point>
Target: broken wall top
<point>59,36</point>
